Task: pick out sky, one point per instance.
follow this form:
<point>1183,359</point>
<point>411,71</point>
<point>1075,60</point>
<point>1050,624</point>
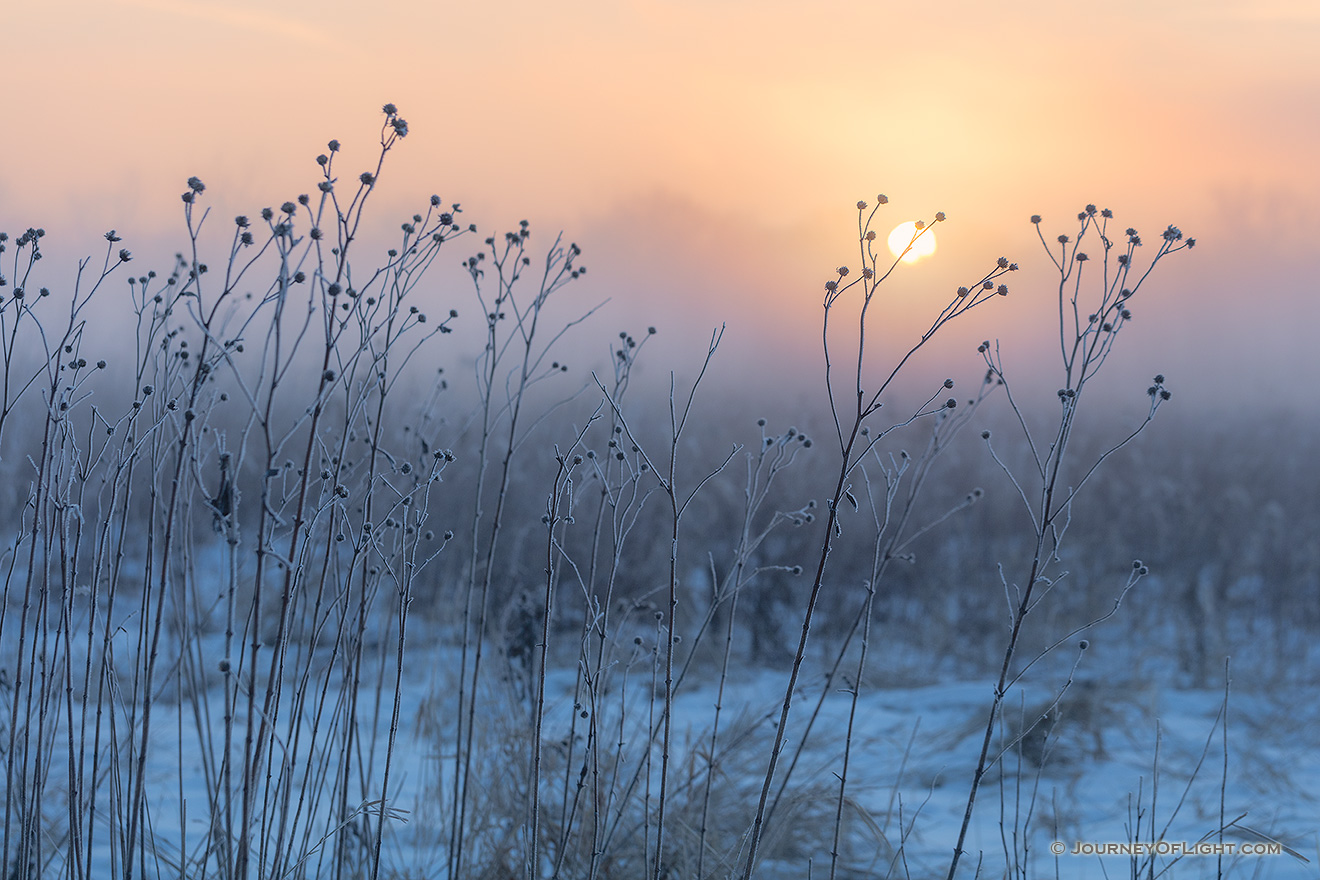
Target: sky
<point>707,155</point>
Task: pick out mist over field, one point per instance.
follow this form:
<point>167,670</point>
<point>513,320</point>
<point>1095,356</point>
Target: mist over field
<point>553,473</point>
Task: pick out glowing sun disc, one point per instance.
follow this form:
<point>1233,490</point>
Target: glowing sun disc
<point>901,237</point>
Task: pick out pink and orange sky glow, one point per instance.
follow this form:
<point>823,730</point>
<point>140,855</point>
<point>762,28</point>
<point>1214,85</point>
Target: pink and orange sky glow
<point>707,154</point>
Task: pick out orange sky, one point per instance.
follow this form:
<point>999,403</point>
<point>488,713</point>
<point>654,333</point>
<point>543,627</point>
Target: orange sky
<point>707,153</point>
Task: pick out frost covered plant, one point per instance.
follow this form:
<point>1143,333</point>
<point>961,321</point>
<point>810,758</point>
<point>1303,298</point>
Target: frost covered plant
<point>1094,298</point>
<point>181,556</point>
<point>855,394</point>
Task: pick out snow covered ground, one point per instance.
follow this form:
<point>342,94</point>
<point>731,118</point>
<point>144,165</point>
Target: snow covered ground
<point>1120,755</point>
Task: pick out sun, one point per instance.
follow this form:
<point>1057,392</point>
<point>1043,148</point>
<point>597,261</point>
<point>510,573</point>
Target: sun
<point>901,238</point>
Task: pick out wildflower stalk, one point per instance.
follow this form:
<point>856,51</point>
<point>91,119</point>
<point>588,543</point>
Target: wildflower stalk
<point>1085,343</point>
<point>854,444</point>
